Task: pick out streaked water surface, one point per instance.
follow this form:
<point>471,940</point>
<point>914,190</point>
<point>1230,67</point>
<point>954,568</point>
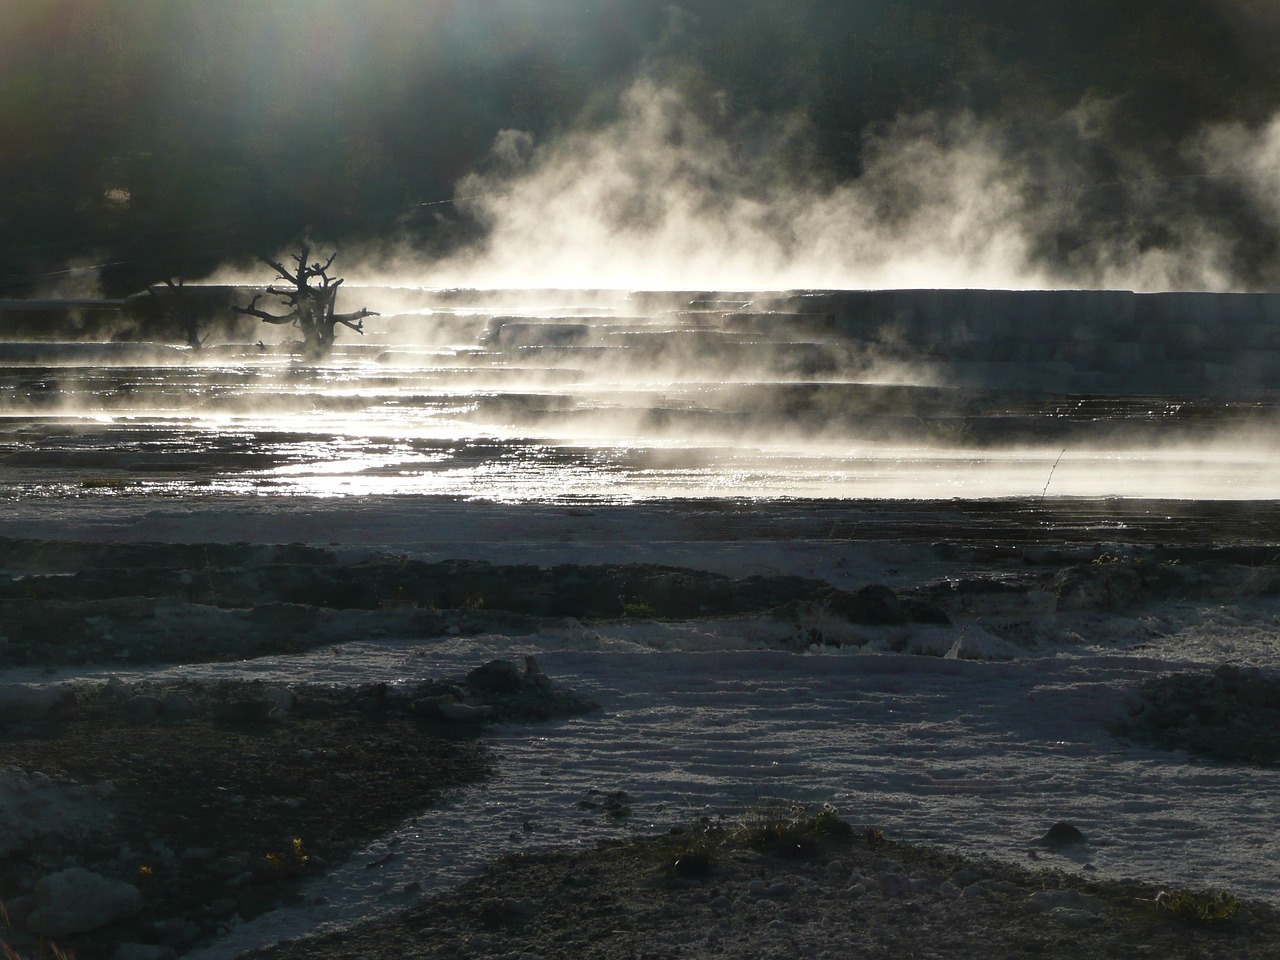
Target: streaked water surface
<point>538,402</point>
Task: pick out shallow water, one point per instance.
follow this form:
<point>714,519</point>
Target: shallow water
<point>607,403</point>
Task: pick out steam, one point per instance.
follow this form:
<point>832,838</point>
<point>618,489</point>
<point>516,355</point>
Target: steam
<point>77,280</point>
<point>673,193</point>
<point>1252,157</point>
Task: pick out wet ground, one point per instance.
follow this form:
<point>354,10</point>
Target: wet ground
<point>625,398</point>
<point>959,574</point>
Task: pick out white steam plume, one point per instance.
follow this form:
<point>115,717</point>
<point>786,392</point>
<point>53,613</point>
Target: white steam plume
<point>663,198</point>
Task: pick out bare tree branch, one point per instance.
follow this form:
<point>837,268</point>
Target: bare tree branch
<point>252,311</point>
<point>354,320</point>
<point>312,301</point>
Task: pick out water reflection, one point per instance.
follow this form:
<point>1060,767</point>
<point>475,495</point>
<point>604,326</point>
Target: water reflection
<point>567,407</point>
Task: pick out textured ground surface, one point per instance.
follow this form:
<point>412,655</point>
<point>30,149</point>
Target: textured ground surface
<point>223,788</point>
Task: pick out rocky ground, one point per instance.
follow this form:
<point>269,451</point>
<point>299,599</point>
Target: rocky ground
<point>724,891</point>
<point>141,817</point>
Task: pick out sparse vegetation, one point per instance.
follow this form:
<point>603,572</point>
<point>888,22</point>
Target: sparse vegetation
<point>774,828</point>
<point>107,483</point>
<point>1198,906</point>
<point>790,830</point>
<point>638,610</point>
<point>694,853</point>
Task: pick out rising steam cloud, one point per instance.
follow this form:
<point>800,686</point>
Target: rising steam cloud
<point>674,194</point>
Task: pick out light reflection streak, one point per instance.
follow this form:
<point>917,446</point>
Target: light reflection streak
<point>551,422</point>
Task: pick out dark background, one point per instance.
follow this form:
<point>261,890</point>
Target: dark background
<point>162,138</point>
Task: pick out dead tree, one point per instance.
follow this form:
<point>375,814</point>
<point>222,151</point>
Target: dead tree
<point>182,312</point>
<point>311,301</point>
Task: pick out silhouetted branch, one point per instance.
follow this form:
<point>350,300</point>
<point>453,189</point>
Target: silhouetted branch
<point>354,320</point>
<point>312,301</point>
<point>252,311</point>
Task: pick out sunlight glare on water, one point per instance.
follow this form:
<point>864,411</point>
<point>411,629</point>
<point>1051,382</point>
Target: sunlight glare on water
<point>568,405</point>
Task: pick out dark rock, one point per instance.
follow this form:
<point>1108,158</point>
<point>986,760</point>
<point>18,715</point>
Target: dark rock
<point>1062,835</point>
<point>873,605</point>
<point>500,677</point>
<point>921,612</point>
<point>615,804</point>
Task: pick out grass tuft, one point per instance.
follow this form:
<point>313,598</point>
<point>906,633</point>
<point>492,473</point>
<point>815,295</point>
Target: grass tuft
<point>695,859</point>
<point>790,830</point>
<point>1198,906</point>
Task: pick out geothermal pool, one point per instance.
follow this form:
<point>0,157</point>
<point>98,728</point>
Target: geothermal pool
<point>557,397</point>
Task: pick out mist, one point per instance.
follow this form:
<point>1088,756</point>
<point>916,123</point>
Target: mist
<point>675,192</point>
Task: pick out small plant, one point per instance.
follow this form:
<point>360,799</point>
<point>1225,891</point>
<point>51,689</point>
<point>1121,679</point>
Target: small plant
<point>791,831</point>
<point>1197,906</point>
<point>694,856</point>
<point>287,864</point>
<point>106,483</point>
<point>638,610</point>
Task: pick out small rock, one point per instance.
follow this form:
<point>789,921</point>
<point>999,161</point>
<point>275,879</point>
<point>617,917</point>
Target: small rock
<point>281,700</point>
<point>1062,835</point>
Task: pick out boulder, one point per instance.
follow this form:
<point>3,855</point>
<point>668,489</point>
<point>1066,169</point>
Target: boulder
<point>499,677</point>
